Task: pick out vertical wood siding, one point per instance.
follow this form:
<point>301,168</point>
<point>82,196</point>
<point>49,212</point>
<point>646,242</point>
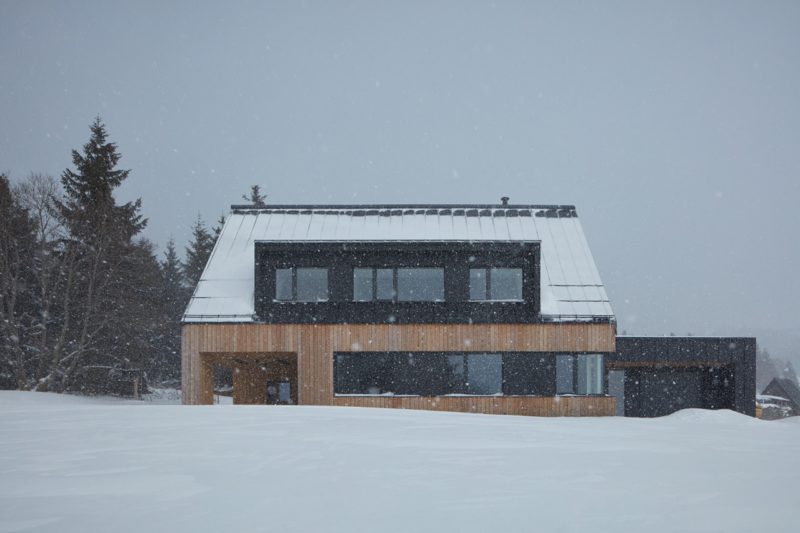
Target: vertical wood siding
<point>314,345</point>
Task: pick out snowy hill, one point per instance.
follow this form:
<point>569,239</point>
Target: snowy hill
<point>77,464</point>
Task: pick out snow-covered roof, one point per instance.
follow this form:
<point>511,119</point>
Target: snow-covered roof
<point>571,289</point>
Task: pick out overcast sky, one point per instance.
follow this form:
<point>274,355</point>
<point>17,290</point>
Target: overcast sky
<point>674,127</point>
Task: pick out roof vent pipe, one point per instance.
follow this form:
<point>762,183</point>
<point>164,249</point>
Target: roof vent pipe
<point>504,200</point>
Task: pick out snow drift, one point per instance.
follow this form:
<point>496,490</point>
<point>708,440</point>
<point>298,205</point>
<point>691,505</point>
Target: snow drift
<point>78,464</point>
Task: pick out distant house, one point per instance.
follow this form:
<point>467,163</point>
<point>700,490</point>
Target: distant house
<point>475,308</point>
<point>781,396</point>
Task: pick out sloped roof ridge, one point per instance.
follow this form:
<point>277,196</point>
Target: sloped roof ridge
<point>281,207</point>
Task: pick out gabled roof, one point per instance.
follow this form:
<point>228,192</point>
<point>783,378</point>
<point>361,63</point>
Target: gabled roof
<point>785,388</point>
<point>571,289</point>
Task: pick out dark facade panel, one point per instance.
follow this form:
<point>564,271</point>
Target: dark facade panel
<point>666,374</point>
<point>341,258</point>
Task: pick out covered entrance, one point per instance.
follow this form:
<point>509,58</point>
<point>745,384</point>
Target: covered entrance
<point>257,378</point>
<point>658,390</point>
<point>656,376</point>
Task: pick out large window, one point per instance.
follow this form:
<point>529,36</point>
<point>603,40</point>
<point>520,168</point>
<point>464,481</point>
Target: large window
<point>579,374</point>
<point>496,284</point>
<point>297,284</point>
<point>398,284</point>
<point>480,374</point>
<point>484,373</point>
<point>590,374</point>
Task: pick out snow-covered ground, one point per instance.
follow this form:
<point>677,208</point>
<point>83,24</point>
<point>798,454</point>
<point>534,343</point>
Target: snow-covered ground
<point>80,465</point>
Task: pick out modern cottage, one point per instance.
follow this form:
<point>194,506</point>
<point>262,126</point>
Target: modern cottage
<point>474,308</point>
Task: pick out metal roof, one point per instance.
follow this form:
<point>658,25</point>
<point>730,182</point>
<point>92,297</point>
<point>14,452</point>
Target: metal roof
<point>571,289</point>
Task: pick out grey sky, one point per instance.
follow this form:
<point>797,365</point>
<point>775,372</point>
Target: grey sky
<point>674,127</point>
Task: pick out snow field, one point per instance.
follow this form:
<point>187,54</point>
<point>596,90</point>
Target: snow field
<point>81,464</point>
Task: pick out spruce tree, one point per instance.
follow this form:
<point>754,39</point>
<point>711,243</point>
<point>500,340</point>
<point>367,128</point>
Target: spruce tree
<point>255,197</point>
<point>90,210</point>
<point>17,291</point>
<point>197,253</point>
<point>103,269</point>
<point>171,273</point>
<point>174,297</point>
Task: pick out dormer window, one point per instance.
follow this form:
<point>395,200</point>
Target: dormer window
<point>398,284</point>
<point>495,284</point>
<point>301,284</point>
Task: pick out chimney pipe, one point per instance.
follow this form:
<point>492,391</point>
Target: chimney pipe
<point>504,200</point>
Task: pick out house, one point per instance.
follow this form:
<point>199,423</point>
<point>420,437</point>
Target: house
<point>474,308</point>
<point>477,308</point>
<point>781,398</point>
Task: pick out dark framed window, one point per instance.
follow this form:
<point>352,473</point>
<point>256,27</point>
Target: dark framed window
<point>565,374</point>
<point>301,284</point>
<point>363,284</point>
<point>495,284</point>
<point>478,374</point>
<point>589,373</point>
<point>405,284</point>
<point>484,373</point>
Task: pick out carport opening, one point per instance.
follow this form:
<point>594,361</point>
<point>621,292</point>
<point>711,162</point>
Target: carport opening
<point>658,390</point>
<point>258,379</point>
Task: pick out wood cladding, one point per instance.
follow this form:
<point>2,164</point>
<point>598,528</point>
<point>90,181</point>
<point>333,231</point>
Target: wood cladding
<point>495,405</point>
<point>313,346</point>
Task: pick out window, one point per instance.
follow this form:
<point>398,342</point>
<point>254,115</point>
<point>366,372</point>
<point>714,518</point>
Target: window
<point>565,374</point>
<point>398,284</point>
<point>479,374</point>
<point>283,284</point>
<point>484,373</point>
<point>420,284</point>
<point>384,278</point>
<point>495,284</point>
<point>298,284</point>
<point>590,373</point>
<point>362,285</point>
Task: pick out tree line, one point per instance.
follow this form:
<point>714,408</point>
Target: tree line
<point>85,303</point>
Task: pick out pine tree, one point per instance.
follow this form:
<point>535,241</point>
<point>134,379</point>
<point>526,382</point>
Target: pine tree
<point>99,268</point>
<point>17,291</point>
<point>255,197</point>
<point>174,297</point>
<point>197,253</point>
<point>171,273</point>
<point>90,210</point>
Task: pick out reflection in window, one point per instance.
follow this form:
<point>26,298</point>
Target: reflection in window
<point>565,374</point>
<point>398,284</point>
<point>441,373</point>
<point>301,284</point>
<point>283,284</point>
<point>362,285</point>
<point>385,280</point>
<point>477,284</point>
<point>420,284</point>
<point>590,374</point>
<point>505,284</point>
<point>498,284</point>
<point>312,284</point>
<point>484,373</point>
